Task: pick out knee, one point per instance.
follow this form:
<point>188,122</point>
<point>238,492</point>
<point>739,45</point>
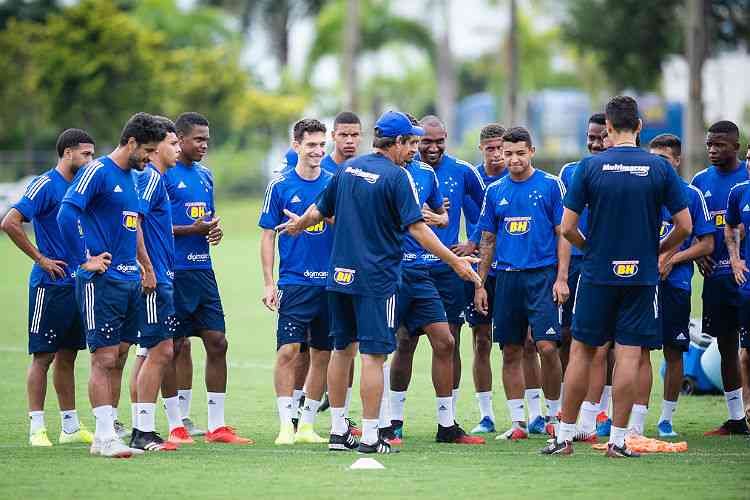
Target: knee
<point>547,349</point>
<point>445,347</point>
<point>164,351</point>
<point>406,346</point>
<point>512,356</point>
<point>745,356</point>
<point>321,358</point>
<point>43,360</point>
<point>287,354</point>
<point>105,361</point>
<point>217,346</point>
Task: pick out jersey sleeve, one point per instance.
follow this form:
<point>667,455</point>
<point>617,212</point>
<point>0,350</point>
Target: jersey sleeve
<point>474,184</point>
<point>557,193</point>
<point>406,199</point>
<point>36,199</point>
<point>577,196</point>
<point>435,199</point>
<point>487,218</point>
<point>733,216</point>
<point>674,193</point>
<point>272,213</point>
<point>701,217</point>
<point>149,191</point>
<point>471,210</point>
<point>85,186</point>
<point>326,201</point>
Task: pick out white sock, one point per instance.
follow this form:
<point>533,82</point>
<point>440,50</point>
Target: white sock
<point>309,410</point>
<point>516,410</point>
<point>589,411</point>
<point>534,401</point>
<point>637,421</point>
<point>604,400</point>
<point>296,397</point>
<point>185,397</point>
<point>36,421</point>
<point>667,410</point>
<point>485,405</point>
<point>454,402</point>
<point>444,408</point>
<point>553,408</point>
<point>105,423</point>
<point>369,430</point>
<point>384,419</point>
<point>70,422</point>
<point>734,404</point>
<point>133,416</point>
<point>285,405</point>
<point>338,421</point>
<point>172,409</point>
<point>617,436</point>
<point>398,401</point>
<point>566,432</point>
<point>146,417</point>
<point>347,402</point>
<point>216,410</point>
<point>114,413</point>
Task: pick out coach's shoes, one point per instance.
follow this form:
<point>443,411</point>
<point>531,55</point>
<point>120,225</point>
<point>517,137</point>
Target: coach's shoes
<point>121,430</point>
<point>227,435</point>
<point>614,451</point>
<point>555,448</point>
<point>485,426</point>
<point>150,441</point>
<point>347,442</point>
<point>513,434</point>
<point>180,435</point>
<point>666,430</point>
<point>353,428</point>
<point>380,446</point>
<point>111,448</point>
<point>730,428</point>
<point>39,438</point>
<point>306,434</point>
<point>82,435</point>
<point>603,425</point>
<point>191,428</point>
<point>537,425</point>
<point>456,435</point>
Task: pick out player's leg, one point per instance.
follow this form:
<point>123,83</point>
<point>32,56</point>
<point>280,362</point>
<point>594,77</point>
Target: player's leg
<point>184,374</point>
<point>401,371</point>
<point>566,313</point>
<point>283,379</point>
<point>673,376</point>
<point>122,359</point>
<point>416,282</point>
<point>482,348</point>
<point>532,373</point>
<point>603,419</point>
<point>178,433</point>
<point>639,412</point>
<point>597,390</point>
<point>745,368</point>
<point>36,388</point>
<point>301,372</point>
<point>140,357</point>
<point>187,299</point>
<point>674,310</point>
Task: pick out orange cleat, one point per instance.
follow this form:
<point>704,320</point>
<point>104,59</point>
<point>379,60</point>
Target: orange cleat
<point>180,435</point>
<point>513,434</point>
<point>227,435</point>
<point>550,429</point>
<point>353,429</point>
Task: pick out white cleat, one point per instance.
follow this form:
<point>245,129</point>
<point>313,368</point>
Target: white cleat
<point>114,448</point>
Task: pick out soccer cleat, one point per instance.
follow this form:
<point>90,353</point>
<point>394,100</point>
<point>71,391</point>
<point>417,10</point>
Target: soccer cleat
<point>150,441</point>
<point>555,448</point>
<point>456,435</point>
<point>665,429</point>
<point>485,426</point>
<point>614,451</point>
<point>286,435</point>
<point>356,431</point>
<point>386,434</point>
<point>603,425</point>
<point>191,428</point>
<point>39,438</point>
<point>307,435</point>
<point>731,427</point>
<point>325,404</point>
<point>227,435</point>
<point>347,442</point>
<point>295,423</point>
<point>513,434</point>
<point>82,435</point>
<point>381,446</point>
<point>121,430</point>
<point>550,428</point>
<point>180,435</point>
<point>585,437</point>
<point>398,428</point>
<point>111,448</point>
<point>537,425</point>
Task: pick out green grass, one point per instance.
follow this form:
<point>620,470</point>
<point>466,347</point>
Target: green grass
<point>713,468</point>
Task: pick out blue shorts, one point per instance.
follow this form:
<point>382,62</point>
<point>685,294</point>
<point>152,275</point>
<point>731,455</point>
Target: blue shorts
<point>197,302</point>
<point>54,320</point>
<point>371,321</point>
<point>629,315</point>
<point>474,317</point>
<point>523,299</point>
<point>303,317</point>
<point>574,271</point>
<point>674,314</point>
<point>721,300</point>
<point>111,309</point>
<point>418,300</point>
<point>744,320</point>
<point>451,290</point>
<point>159,322</point>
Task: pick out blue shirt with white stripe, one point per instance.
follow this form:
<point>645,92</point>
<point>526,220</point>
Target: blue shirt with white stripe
<point>428,191</point>
<point>566,176</point>
<point>157,223</point>
<point>738,212</point>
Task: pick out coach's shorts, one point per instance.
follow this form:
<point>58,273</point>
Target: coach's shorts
<point>629,315</point>
<point>721,301</point>
<point>451,289</point>
<point>674,315</point>
<point>523,299</point>
<point>111,310</point>
<point>197,302</point>
<point>159,322</point>
<point>418,300</point>
<point>303,317</point>
<point>474,317</point>
<point>574,271</point>
<point>54,320</point>
<point>371,321</point>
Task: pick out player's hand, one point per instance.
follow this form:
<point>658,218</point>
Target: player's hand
<point>446,203</point>
<point>270,297</point>
<point>480,300</point>
<point>705,265</point>
<point>55,268</point>
<point>465,248</point>
<point>462,267</point>
<point>665,265</point>
<point>215,234</point>
<point>98,263</point>
<point>292,227</point>
<point>148,281</point>
<point>204,227</point>
<point>560,292</point>
<point>433,219</point>
<point>740,270</point>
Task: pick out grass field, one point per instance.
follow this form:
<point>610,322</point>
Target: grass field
<point>713,468</point>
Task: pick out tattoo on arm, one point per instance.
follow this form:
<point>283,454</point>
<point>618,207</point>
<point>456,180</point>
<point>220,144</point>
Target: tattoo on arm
<point>486,253</point>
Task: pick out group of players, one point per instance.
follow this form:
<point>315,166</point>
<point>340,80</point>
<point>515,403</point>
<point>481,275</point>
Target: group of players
<point>122,258</point>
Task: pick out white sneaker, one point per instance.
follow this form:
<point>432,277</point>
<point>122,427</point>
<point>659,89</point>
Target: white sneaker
<point>95,447</point>
<point>114,448</point>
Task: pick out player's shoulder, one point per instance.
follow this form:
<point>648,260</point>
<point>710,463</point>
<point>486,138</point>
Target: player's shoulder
<point>568,167</point>
<point>204,171</point>
<point>552,181</point>
<point>423,166</point>
<point>740,188</point>
<point>149,182</point>
<point>500,184</point>
<point>702,175</point>
<point>38,184</point>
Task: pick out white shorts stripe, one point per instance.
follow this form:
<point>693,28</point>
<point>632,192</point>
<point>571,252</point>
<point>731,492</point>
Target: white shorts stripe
<point>575,299</point>
<point>656,302</point>
<point>89,303</point>
<point>38,306</point>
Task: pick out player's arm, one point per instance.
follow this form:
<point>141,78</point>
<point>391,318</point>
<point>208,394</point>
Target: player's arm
<point>13,225</point>
<point>200,227</point>
<point>487,246</point>
<point>704,245</point>
<point>732,238</point>
<point>437,217</point>
<point>67,221</point>
<point>267,252</point>
<point>683,226</point>
<point>430,242</point>
<point>148,276</point>
<point>296,223</point>
<point>569,229</point>
<point>560,290</point>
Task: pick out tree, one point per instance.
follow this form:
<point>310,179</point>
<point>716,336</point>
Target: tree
<point>26,10</point>
<point>195,27</point>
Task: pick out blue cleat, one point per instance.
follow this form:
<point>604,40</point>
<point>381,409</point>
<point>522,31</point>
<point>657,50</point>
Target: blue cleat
<point>538,425</point>
<point>486,425</point>
<point>603,425</point>
<point>665,429</point>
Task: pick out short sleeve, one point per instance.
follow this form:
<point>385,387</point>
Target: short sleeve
<point>557,193</point>
<point>36,199</point>
<point>577,196</point>
<point>150,190</point>
<point>674,193</point>
<point>734,215</point>
<point>85,186</point>
<point>474,184</point>
<point>471,210</point>
<point>487,217</point>
<point>406,199</point>
<point>701,217</point>
<point>272,212</point>
<point>435,199</point>
<point>326,201</point>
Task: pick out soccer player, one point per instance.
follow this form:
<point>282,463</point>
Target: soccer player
<point>198,308</point>
<point>55,328</point>
<point>375,203</point>
<point>674,297</point>
<point>520,222</point>
<point>184,369</point>
<point>104,199</point>
<point>346,135</point>
<point>300,296</point>
<point>624,189</point>
<point>721,297</point>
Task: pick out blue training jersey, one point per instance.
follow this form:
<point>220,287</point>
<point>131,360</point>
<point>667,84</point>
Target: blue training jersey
<point>624,189</point>
<point>191,193</point>
<point>110,207</point>
<point>523,215</point>
<point>374,202</point>
<point>428,191</point>
<point>566,176</point>
<point>40,204</point>
<point>738,212</point>
<point>157,223</point>
<point>472,211</point>
<point>303,259</point>
<point>715,186</point>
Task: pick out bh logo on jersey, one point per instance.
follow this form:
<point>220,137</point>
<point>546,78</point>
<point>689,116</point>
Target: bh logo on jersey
<point>517,225</point>
<point>318,228</point>
<point>719,217</point>
<point>197,210</point>
<point>129,220</point>
<point>343,276</point>
<point>625,268</point>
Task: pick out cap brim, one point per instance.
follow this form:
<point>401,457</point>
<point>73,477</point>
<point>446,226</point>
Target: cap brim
<point>418,131</point>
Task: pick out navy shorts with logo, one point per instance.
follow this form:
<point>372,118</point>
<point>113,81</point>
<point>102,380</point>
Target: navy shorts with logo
<point>371,321</point>
<point>418,300</point>
<point>523,299</point>
<point>111,310</point>
<point>674,314</point>
<point>629,315</point>
<point>474,317</point>
<point>159,322</point>
<point>574,271</point>
<point>303,317</point>
<point>54,320</point>
<point>451,289</point>
<point>721,306</point>
<point>197,302</point>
